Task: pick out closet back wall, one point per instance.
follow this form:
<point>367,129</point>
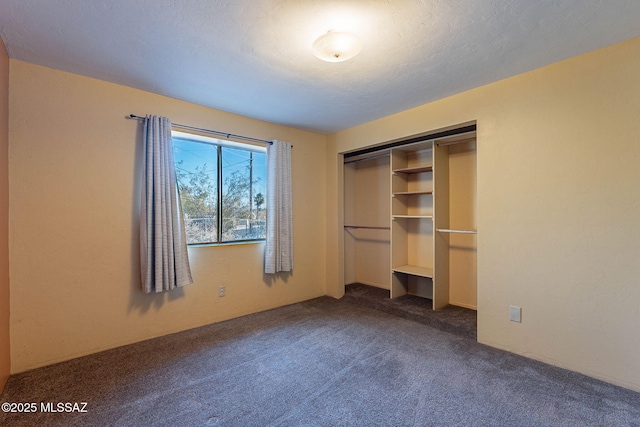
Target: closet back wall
<point>462,215</point>
<point>367,203</point>
<point>74,177</point>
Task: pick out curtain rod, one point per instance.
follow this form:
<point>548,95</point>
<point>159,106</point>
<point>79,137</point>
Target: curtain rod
<point>214,132</point>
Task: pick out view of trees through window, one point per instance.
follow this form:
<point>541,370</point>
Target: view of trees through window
<point>222,189</point>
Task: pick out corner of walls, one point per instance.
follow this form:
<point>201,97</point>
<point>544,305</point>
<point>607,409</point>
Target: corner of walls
<point>75,271</point>
<point>334,218</point>
<point>5,350</point>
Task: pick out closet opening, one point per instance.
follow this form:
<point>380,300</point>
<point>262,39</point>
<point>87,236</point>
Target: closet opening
<point>410,233</point>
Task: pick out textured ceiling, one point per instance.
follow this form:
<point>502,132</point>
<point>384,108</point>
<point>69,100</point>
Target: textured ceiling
<point>254,57</point>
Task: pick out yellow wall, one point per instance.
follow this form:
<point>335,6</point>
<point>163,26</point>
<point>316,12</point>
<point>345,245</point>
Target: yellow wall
<point>558,209</point>
<point>5,359</point>
<point>74,178</point>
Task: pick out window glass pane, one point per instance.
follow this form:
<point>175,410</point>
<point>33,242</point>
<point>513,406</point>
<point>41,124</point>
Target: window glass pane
<point>244,175</point>
<point>197,175</point>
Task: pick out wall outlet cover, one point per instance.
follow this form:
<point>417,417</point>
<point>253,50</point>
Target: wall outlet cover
<point>515,314</point>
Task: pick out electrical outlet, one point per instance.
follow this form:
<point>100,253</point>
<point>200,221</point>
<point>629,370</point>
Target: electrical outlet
<point>515,314</point>
<point>222,291</point>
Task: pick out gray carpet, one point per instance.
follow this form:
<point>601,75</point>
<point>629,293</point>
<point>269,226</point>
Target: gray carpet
<point>323,362</point>
<point>456,320</point>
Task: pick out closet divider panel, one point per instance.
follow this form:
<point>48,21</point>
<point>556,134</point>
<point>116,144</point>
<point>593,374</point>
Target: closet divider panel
<point>441,220</point>
<point>399,254</point>
<point>349,206</point>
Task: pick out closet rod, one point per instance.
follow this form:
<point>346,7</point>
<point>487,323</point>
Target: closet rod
<point>369,227</point>
<point>426,137</point>
<point>442,144</point>
<point>368,158</point>
<point>448,230</point>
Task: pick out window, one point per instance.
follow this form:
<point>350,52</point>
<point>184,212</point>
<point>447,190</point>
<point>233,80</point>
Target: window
<point>222,188</point>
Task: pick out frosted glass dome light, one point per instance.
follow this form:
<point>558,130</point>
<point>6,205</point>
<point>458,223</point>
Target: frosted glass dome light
<point>337,46</point>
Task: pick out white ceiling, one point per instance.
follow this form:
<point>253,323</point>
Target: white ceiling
<point>253,57</point>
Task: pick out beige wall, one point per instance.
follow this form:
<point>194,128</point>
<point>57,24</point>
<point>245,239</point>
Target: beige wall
<point>557,212</point>
<point>5,356</point>
<point>74,177</point>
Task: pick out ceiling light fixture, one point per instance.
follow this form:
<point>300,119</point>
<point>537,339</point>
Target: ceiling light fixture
<point>337,46</point>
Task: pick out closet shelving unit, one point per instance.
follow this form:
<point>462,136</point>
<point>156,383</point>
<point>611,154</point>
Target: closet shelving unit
<point>431,245</point>
<point>412,220</point>
<point>420,220</point>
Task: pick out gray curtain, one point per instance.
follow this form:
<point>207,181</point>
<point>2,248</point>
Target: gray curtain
<point>279,247</point>
<point>163,248</point>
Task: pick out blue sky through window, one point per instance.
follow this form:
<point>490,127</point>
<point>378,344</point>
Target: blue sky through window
<point>242,210</point>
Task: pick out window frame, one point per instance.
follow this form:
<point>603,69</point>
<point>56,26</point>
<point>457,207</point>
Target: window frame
<point>220,144</point>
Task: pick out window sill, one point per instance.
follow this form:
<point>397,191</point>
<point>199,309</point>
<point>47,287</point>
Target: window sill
<point>242,242</point>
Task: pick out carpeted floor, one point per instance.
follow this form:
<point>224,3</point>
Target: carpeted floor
<point>456,320</point>
<point>323,362</point>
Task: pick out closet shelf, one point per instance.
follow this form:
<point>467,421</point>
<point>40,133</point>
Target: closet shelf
<point>413,216</point>
<point>414,270</point>
<point>418,169</point>
<point>411,193</point>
